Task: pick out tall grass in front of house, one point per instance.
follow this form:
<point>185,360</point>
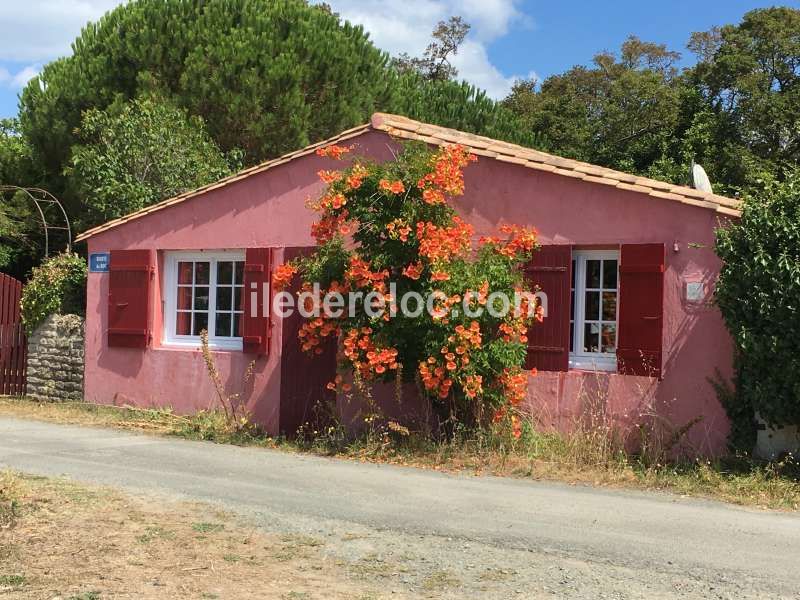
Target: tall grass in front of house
<point>590,454</point>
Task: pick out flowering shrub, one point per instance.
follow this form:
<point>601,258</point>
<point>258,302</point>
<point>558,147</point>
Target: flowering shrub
<point>389,229</point>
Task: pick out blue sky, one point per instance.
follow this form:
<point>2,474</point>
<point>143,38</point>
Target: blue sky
<point>509,39</point>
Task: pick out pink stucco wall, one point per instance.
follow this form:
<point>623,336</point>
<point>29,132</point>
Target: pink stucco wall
<point>267,210</point>
<point>695,344</point>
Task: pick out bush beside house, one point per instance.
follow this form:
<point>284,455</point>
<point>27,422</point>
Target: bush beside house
<point>759,295</point>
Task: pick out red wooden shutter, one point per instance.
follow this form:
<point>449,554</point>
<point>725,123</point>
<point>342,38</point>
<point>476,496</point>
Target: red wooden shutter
<point>256,318</point>
<point>641,308</point>
<point>548,342</point>
<point>129,298</point>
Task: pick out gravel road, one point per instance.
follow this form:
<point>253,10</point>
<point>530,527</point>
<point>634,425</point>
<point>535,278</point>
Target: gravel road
<point>426,534</point>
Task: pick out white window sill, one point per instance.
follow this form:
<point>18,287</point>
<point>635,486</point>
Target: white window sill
<point>194,344</point>
<point>584,363</point>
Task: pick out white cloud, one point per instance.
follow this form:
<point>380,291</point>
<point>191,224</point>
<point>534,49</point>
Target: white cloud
<point>22,77</point>
<point>41,30</point>
<point>406,26</point>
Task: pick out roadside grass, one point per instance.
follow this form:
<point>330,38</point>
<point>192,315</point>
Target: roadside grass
<point>60,539</point>
<point>586,457</point>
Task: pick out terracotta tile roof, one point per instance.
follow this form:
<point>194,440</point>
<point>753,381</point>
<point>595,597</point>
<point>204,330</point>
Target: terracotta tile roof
<point>405,128</point>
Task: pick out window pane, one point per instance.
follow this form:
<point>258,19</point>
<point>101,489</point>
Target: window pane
<point>225,272</point>
<point>572,337</point>
<point>572,306</point>
<point>237,298</point>
<point>610,274</point>
<point>592,273</point>
<point>201,273</point>
<point>609,306</point>
<point>609,338</point>
<point>183,323</point>
<point>591,337</point>
<point>239,272</point>
<point>201,298</point>
<point>237,326</point>
<point>224,298</point>
<point>592,312</point>
<point>222,327</point>
<point>185,298</point>
<point>200,323</point>
<point>185,272</point>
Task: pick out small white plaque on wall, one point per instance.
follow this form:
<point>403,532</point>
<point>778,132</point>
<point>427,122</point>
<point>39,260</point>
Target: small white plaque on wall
<point>695,291</point>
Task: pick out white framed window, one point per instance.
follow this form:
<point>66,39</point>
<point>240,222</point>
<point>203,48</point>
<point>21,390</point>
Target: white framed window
<point>594,310</point>
<point>203,290</point>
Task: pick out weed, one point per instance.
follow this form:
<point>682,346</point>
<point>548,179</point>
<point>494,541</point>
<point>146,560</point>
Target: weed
<point>15,581</point>
<point>439,580</point>
<point>86,596</point>
<point>207,527</point>
<point>153,533</point>
<point>233,406</point>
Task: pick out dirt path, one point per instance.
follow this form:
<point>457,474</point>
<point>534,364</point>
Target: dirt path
<point>424,534</point>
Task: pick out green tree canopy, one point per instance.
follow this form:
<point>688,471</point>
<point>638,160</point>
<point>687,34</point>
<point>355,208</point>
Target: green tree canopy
<point>434,64</point>
<point>136,153</point>
<point>266,77</point>
<point>748,77</point>
<point>620,112</point>
<point>19,223</point>
<point>737,111</point>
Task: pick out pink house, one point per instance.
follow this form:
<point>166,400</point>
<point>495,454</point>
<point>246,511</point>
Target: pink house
<point>627,264</point>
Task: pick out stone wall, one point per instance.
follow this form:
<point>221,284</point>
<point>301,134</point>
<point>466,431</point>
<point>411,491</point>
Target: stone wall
<point>55,359</point>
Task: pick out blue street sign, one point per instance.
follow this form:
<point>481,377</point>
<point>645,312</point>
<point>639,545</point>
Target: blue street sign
<point>98,262</point>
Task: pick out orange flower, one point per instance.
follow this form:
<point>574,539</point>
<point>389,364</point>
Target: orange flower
<point>359,272</point>
<point>356,177</point>
<point>313,331</point>
<point>366,357</point>
<point>442,243</point>
<point>413,271</point>
<point>329,176</point>
<point>433,197</point>
<point>398,230</point>
<point>325,229</point>
<point>332,201</point>
<point>521,240</point>
<point>473,386</point>
<point>395,187</point>
<point>282,276</point>
<point>516,427</point>
<point>515,385</point>
<point>333,151</point>
<point>447,176</point>
<point>440,276</point>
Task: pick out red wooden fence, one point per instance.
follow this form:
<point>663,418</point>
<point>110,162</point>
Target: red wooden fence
<point>13,345</point>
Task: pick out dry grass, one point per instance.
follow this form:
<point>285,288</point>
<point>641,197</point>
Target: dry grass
<point>585,457</point>
<point>85,413</point>
<point>73,542</point>
<point>740,481</point>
